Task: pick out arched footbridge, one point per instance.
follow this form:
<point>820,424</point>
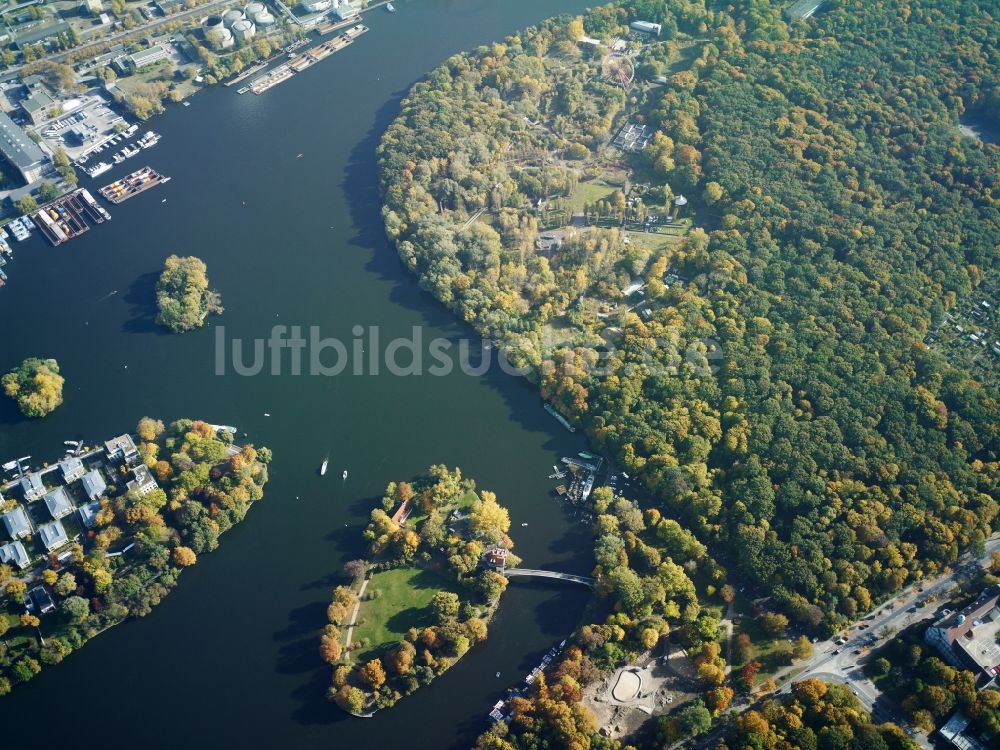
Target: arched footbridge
<point>550,574</point>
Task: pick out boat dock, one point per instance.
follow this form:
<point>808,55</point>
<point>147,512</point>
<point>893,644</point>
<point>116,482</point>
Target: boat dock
<point>559,417</point>
<point>64,218</point>
<point>133,184</point>
<point>298,63</point>
<point>246,73</point>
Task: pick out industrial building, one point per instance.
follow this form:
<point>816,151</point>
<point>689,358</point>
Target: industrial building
<point>36,105</point>
<point>968,639</point>
<point>20,151</point>
<point>646,27</point>
<point>147,57</point>
<point>316,6</point>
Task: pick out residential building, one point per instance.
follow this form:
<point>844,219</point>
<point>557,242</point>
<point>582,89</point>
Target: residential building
<point>93,484</point>
<point>143,482</point>
<point>496,557</point>
<point>14,552</point>
<point>121,448</point>
<point>31,487</point>
<point>72,469</point>
<point>88,514</point>
<point>42,600</point>
<point>17,522</point>
<point>58,503</point>
<point>53,535</point>
<point>93,7</point>
<point>967,639</point>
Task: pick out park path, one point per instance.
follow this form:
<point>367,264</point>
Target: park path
<point>354,617</point>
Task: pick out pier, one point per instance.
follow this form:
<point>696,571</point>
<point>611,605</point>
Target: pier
<point>131,185</point>
<point>63,219</point>
<point>307,59</point>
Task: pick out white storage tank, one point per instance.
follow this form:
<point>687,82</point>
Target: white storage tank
<point>232,16</point>
<point>259,14</point>
<point>244,30</point>
<point>217,34</point>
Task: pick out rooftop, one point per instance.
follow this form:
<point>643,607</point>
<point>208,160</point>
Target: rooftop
<point>93,484</point>
<point>38,100</point>
<point>16,146</point>
<point>58,503</point>
<point>17,522</point>
<point>122,446</point>
<point>954,731</point>
<point>973,631</point>
<point>52,535</point>
<point>14,552</point>
<point>72,469</point>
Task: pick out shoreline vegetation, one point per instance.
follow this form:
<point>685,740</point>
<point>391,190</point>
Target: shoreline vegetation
<point>719,247</point>
<point>36,386</point>
<point>425,595</point>
<point>183,297</point>
<point>765,375</point>
<point>136,513</point>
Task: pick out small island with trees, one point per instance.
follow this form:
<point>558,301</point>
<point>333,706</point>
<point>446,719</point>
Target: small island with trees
<point>104,534</point>
<point>183,297</point>
<point>424,597</point>
<point>35,385</point>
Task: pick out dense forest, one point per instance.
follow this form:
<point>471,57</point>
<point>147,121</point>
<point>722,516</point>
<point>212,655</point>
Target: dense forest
<point>773,390</point>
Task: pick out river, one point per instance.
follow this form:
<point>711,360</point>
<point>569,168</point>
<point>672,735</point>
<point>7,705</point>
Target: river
<point>230,657</point>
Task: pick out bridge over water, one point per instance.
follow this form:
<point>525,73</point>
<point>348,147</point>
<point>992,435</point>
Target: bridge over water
<point>551,574</point>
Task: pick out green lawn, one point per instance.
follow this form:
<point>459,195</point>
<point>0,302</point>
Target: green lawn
<point>402,604</point>
<point>588,192</point>
<point>465,501</point>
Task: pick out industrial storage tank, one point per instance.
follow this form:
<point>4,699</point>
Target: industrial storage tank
<point>231,16</point>
<point>259,14</point>
<point>244,30</point>
<point>217,34</point>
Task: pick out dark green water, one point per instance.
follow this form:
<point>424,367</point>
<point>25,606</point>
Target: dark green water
<point>230,657</point>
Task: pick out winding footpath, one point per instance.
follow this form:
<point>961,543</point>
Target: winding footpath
<point>354,617</point>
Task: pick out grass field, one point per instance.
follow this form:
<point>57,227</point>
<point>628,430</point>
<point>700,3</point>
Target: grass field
<point>401,605</point>
<point>588,192</point>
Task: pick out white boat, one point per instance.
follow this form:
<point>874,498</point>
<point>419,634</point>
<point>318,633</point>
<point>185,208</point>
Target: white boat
<point>345,473</point>
<point>322,469</point>
<point>390,7</point>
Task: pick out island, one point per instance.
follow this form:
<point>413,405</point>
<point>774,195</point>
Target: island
<point>35,385</point>
<point>183,297</point>
<point>425,595</point>
<point>103,534</point>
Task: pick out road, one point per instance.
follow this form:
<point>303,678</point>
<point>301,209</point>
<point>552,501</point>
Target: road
<point>839,663</point>
<point>137,32</point>
<point>834,662</point>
